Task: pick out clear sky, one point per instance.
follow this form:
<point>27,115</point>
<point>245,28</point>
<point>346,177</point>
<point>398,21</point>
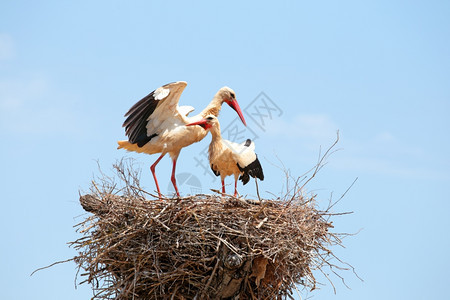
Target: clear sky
<point>377,71</point>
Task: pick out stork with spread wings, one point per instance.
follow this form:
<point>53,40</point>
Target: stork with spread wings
<point>156,123</point>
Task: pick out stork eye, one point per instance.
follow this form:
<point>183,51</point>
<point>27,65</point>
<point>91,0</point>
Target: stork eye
<point>209,118</point>
<point>232,95</point>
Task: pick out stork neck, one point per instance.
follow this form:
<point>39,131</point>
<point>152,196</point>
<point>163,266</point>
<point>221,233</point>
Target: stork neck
<point>213,107</point>
<point>215,133</point>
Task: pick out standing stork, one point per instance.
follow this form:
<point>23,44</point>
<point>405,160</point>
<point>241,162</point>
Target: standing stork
<point>156,124</point>
<point>228,158</point>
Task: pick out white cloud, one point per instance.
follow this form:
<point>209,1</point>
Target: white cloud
<point>6,47</point>
<point>31,106</point>
<point>314,127</point>
<point>13,93</point>
<point>388,155</point>
<point>381,153</point>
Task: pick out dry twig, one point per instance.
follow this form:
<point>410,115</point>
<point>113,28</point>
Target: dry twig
<point>201,247</point>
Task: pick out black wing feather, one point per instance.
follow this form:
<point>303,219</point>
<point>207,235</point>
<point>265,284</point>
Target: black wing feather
<point>136,122</point>
<point>217,173</point>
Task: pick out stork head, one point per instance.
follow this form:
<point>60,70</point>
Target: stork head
<point>229,97</point>
<point>205,123</point>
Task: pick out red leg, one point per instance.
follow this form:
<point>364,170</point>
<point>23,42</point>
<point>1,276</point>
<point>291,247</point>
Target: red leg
<point>235,187</point>
<point>152,168</point>
<point>223,186</point>
<point>174,181</point>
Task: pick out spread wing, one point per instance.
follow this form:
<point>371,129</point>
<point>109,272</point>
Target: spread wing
<point>185,110</point>
<point>144,117</point>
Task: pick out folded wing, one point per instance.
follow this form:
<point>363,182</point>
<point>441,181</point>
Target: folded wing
<point>247,160</point>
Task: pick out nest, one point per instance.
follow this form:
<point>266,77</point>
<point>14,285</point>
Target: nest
<point>198,247</point>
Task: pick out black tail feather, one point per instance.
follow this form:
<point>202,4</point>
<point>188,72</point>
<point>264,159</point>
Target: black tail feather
<point>254,170</point>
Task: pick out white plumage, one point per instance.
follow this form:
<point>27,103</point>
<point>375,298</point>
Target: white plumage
<point>243,155</point>
<point>228,158</point>
<point>156,124</point>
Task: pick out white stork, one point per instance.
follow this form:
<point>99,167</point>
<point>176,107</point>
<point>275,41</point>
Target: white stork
<point>228,158</point>
<point>156,124</point>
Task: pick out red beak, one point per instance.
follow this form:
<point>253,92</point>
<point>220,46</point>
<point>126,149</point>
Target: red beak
<point>234,105</point>
<point>203,123</point>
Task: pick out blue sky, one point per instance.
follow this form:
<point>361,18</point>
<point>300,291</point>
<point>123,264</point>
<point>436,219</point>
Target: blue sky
<point>377,71</point>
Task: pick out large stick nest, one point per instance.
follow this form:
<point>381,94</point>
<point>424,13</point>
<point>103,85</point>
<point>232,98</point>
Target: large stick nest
<point>198,247</point>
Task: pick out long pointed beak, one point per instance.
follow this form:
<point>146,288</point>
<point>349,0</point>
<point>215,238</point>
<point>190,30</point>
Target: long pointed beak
<point>234,105</point>
<point>202,123</point>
